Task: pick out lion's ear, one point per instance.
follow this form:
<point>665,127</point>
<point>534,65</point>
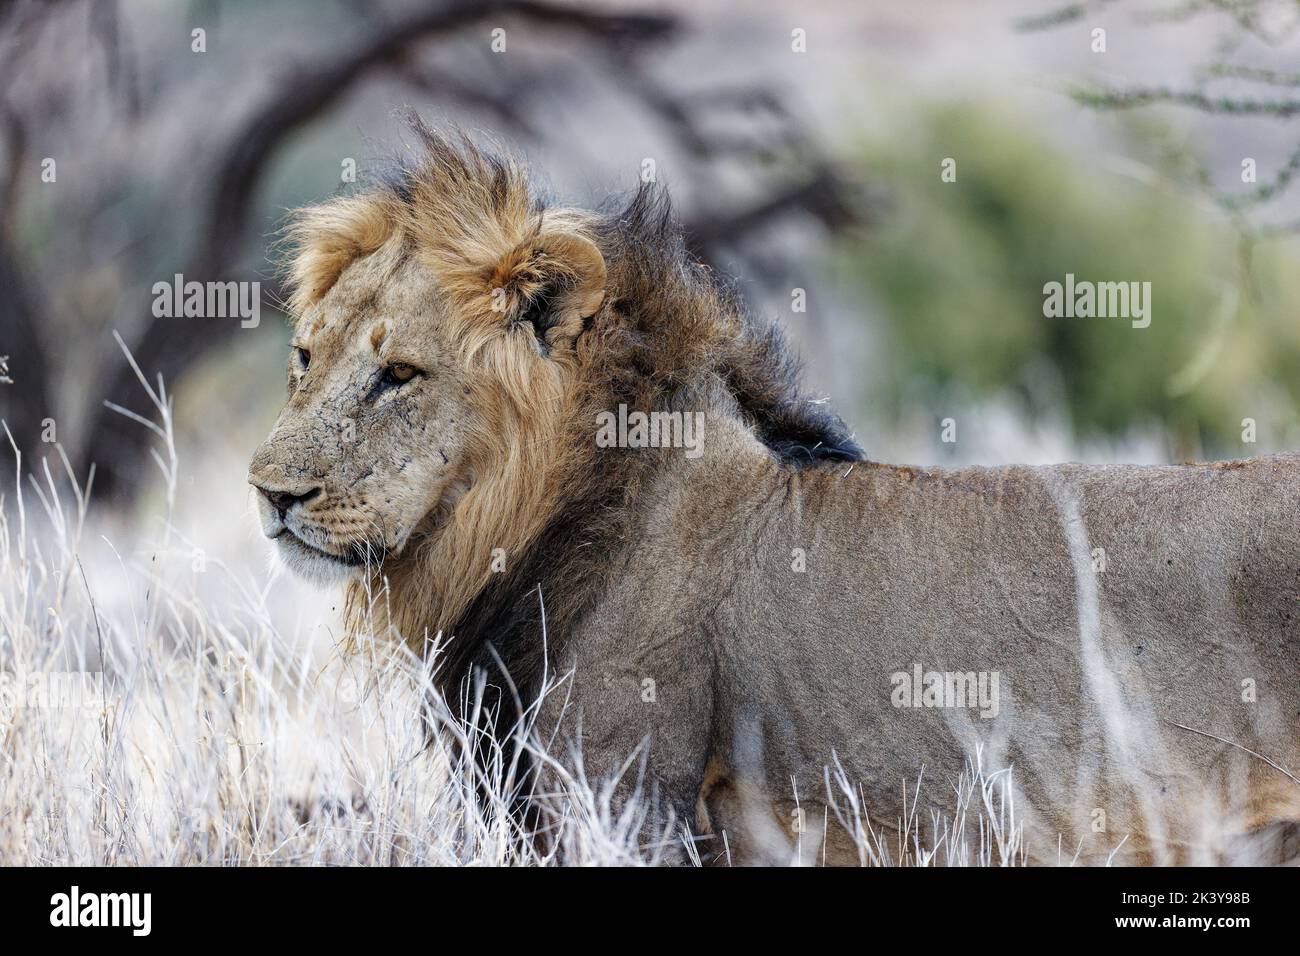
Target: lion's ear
<point>556,283</point>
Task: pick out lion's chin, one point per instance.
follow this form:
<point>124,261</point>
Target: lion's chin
<point>311,564</point>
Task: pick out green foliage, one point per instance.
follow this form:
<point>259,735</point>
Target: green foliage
<point>958,269</point>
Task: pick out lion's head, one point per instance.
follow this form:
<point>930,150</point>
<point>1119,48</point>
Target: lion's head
<point>453,342</point>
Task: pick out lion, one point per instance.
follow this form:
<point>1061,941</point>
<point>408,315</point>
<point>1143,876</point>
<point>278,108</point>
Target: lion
<point>779,627</point>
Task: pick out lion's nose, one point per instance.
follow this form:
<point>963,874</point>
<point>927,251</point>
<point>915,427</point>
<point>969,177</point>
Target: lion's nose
<point>282,501</point>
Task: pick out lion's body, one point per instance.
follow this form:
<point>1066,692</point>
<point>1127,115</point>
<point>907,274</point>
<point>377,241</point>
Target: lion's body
<point>764,675</point>
<point>744,608</point>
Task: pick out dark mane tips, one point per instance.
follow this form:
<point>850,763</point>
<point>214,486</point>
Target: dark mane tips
<point>764,377</point>
<point>698,322</point>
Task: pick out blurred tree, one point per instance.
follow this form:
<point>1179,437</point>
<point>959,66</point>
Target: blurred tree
<point>1222,86</point>
<point>959,270</point>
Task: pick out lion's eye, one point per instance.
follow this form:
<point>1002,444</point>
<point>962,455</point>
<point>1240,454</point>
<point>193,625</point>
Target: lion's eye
<point>399,373</point>
<point>304,357</point>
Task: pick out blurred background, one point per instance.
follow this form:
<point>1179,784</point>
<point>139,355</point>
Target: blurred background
<point>804,145</point>
<point>894,181</point>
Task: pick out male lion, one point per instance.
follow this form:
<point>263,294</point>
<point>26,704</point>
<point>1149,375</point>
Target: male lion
<point>768,614</point>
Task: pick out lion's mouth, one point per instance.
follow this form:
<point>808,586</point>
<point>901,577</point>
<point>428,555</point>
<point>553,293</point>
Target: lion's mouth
<point>354,557</point>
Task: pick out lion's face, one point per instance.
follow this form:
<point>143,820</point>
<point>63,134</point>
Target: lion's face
<point>368,451</point>
<point>434,367</point>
